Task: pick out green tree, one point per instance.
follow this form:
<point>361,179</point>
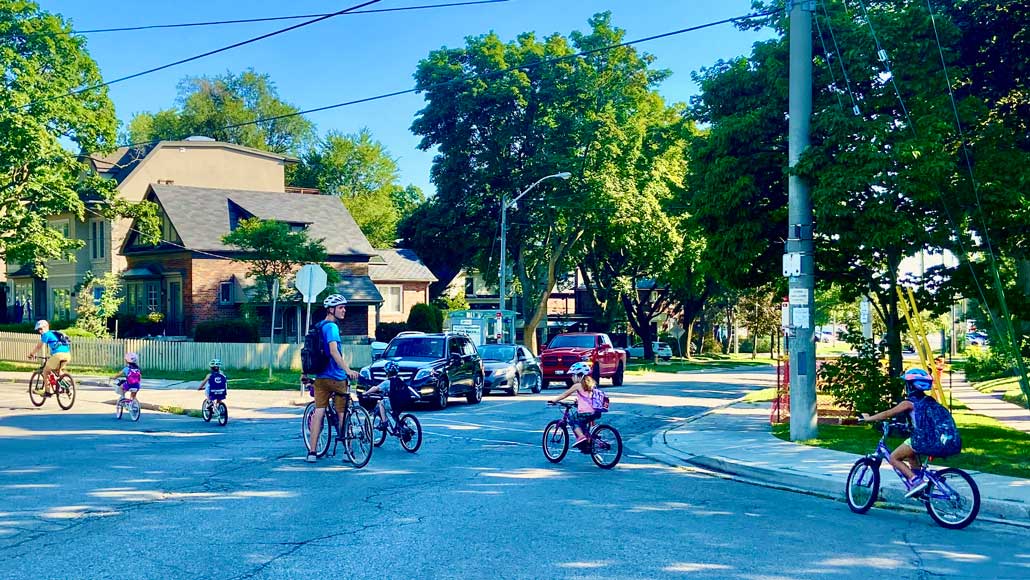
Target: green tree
<point>406,200</point>
<point>498,134</point>
<point>208,105</point>
<point>39,178</point>
<point>92,312</point>
<point>271,250</point>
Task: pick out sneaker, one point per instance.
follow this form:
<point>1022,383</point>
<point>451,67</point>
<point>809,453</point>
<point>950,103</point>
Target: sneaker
<point>915,486</point>
<point>311,458</point>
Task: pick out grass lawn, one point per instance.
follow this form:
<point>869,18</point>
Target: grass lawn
<point>987,445</point>
<point>708,361</point>
<point>1009,387</point>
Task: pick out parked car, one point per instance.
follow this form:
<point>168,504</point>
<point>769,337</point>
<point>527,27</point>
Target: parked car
<point>976,338</point>
<point>592,347</point>
<point>438,366</point>
<point>378,348</point>
<point>663,350</point>
<point>511,367</point>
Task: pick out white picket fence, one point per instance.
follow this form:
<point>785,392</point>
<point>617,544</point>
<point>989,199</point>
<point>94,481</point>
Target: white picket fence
<point>177,356</point>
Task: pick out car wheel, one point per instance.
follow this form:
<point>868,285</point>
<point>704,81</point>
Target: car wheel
<point>618,376</point>
<point>475,396</point>
<point>544,384</point>
<point>594,372</point>
<point>515,385</point>
<point>536,385</point>
<point>442,393</point>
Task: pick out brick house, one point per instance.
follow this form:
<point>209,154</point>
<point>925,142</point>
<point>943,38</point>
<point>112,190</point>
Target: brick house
<point>403,281</point>
<point>198,161</point>
<point>190,278</point>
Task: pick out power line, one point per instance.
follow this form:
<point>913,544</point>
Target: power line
<point>840,55</point>
<point>885,59</point>
<point>265,19</point>
<point>829,62</point>
<point>200,56</point>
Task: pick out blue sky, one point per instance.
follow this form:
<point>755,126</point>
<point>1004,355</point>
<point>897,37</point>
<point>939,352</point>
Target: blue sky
<point>350,57</point>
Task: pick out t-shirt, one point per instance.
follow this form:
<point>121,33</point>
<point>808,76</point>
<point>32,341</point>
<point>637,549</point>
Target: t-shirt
<point>50,339</point>
<point>331,333</point>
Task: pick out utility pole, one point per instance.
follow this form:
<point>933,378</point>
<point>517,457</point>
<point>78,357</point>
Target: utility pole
<point>800,246</point>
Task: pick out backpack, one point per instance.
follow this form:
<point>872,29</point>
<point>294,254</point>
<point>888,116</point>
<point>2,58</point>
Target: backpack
<point>935,431</point>
<point>216,385</point>
<point>401,395</point>
<point>599,400</point>
<point>133,378</point>
<point>62,338</point>
<point>313,357</point>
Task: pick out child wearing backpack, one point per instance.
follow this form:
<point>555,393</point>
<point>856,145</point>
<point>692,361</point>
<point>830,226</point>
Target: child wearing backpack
<point>590,402</point>
<point>130,378</point>
<point>215,385</point>
<point>934,432</point>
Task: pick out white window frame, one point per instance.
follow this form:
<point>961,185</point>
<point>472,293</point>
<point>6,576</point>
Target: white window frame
<point>386,290</point>
<point>97,240</point>
<point>56,224</point>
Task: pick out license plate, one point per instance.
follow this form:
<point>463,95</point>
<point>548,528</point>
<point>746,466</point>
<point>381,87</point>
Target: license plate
<point>559,372</point>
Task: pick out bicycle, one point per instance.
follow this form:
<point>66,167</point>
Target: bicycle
<point>357,437</point>
<point>216,409</point>
<point>952,498</point>
<point>125,403</point>
<point>40,388</point>
<point>404,426</point>
<point>605,442</point>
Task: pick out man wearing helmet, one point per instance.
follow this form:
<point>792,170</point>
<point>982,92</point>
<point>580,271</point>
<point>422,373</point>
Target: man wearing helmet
<point>904,458</point>
<point>335,378</point>
<point>60,352</point>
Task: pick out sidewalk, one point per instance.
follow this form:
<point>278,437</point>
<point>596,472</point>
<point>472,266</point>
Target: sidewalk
<point>991,405</point>
<point>736,440</point>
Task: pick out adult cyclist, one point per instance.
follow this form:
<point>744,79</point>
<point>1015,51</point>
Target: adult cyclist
<point>336,376</point>
<point>60,352</point>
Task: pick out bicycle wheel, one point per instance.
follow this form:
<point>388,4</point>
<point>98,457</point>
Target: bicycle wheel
<point>324,436</point>
<point>37,390</point>
<point>358,436</point>
<point>378,428</point>
<point>863,485</point>
<point>411,433</point>
<point>65,391</point>
<point>952,500</point>
<point>223,414</point>
<point>205,411</point>
<point>556,441</point>
<point>606,446</point>
<point>134,410</point>
<point>119,408</point>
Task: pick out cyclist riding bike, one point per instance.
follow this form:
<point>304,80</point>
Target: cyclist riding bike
<point>60,350</point>
<point>336,376</point>
<point>583,386</point>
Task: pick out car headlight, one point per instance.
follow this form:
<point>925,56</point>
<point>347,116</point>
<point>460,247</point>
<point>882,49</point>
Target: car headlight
<point>423,374</point>
<point>585,358</point>
<point>499,372</point>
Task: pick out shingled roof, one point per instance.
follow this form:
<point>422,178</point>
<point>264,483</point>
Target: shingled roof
<point>201,216</point>
<point>399,266</point>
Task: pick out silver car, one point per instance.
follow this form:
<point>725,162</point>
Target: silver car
<point>661,349</point>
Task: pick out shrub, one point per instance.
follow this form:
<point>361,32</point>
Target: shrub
<point>859,382</point>
<point>987,363</point>
<point>387,330</point>
<point>226,331</point>
<point>77,332</point>
<point>711,346</point>
<point>425,318</point>
<point>29,327</point>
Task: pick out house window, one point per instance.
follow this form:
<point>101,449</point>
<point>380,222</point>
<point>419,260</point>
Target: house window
<point>62,304</point>
<point>153,298</point>
<point>98,244</point>
<point>393,299</point>
<point>225,293</point>
<point>470,286</point>
<point>98,294</point>
<point>64,227</point>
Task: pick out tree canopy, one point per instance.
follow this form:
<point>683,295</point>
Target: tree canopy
<point>272,250</point>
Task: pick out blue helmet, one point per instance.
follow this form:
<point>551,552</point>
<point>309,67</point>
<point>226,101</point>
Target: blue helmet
<point>392,369</point>
<point>918,379</point>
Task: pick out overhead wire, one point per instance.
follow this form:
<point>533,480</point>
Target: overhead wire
<point>840,56</point>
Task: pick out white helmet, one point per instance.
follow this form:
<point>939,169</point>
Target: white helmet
<point>581,369</point>
<point>334,300</point>
<point>41,324</point>
<point>131,358</point>
<point>215,362</point>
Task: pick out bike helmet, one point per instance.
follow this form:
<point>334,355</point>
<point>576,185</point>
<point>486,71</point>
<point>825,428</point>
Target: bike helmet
<point>334,300</point>
<point>215,362</point>
<point>131,358</point>
<point>918,379</point>
<point>581,369</point>
<point>392,369</point>
<point>42,324</point>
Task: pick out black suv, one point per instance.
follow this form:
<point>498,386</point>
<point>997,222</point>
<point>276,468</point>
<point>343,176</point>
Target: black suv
<point>436,365</point>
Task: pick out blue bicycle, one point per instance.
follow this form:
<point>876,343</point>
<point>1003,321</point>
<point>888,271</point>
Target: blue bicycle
<point>951,498</point>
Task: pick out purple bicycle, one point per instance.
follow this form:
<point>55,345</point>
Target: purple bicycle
<point>951,498</point>
<point>605,445</point>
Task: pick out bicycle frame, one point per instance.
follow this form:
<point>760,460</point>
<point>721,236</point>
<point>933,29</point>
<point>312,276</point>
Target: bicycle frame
<point>938,488</point>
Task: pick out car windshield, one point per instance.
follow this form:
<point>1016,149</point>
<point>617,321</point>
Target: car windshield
<point>415,347</point>
<point>572,341</point>
<point>497,352</point>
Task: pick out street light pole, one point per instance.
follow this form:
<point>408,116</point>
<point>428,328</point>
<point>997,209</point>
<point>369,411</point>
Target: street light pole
<point>505,204</point>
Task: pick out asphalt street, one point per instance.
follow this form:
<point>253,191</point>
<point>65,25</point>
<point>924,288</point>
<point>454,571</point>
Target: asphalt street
<point>87,496</point>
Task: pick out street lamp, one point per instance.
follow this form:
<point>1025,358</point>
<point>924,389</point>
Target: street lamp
<point>505,204</point>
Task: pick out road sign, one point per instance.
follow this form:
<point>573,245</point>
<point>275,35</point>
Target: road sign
<point>311,280</point>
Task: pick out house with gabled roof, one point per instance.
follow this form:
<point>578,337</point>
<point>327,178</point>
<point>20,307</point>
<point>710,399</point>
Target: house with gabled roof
<point>402,280</point>
<point>190,276</point>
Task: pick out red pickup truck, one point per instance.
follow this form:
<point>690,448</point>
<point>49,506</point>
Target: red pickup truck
<point>595,348</point>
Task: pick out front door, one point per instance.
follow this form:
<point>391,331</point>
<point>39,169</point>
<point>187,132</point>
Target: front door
<point>174,324</point>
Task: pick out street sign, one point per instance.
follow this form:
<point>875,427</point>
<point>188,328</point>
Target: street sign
<point>785,314</point>
<point>863,312</point>
<point>801,317</point>
<point>311,280</point>
<point>799,296</point>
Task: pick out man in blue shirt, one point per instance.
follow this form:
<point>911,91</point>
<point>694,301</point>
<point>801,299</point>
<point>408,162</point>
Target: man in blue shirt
<point>335,378</point>
<point>60,353</point>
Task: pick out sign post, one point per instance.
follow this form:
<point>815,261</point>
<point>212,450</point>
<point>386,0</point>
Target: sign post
<point>271,335</point>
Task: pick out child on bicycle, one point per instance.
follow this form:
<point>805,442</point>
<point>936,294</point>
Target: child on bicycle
<point>583,386</point>
<point>215,384</point>
<point>130,377</point>
<point>904,458</point>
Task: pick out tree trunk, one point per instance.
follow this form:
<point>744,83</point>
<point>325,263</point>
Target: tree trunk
<point>688,352</point>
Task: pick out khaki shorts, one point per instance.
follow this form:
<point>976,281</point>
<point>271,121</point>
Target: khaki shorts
<point>323,388</point>
<point>55,361</point>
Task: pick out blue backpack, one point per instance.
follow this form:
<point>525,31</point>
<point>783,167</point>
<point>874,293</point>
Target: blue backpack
<point>935,432</point>
<point>217,385</point>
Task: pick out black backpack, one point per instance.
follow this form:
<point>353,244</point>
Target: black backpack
<point>401,395</point>
<point>935,432</point>
<point>313,356</point>
<point>62,338</point>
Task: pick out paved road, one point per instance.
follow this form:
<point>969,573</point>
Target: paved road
<point>85,496</point>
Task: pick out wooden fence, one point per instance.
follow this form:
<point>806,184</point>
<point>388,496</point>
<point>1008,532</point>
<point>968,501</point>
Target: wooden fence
<point>177,356</point>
